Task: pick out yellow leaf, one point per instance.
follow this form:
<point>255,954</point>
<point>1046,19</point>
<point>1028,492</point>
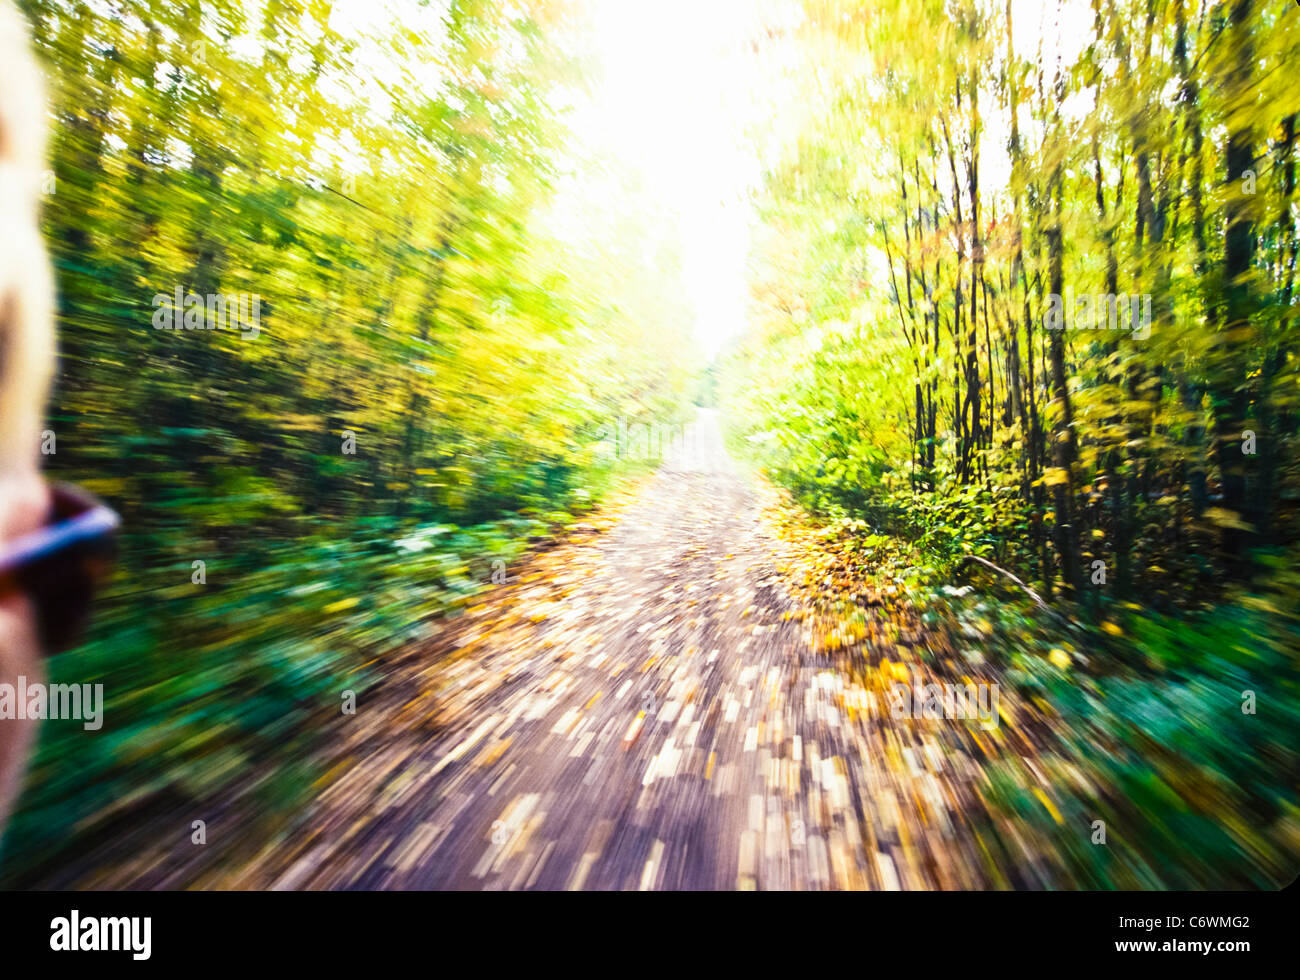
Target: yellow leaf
<point>1226,518</point>
<point>1042,798</point>
<point>1055,475</point>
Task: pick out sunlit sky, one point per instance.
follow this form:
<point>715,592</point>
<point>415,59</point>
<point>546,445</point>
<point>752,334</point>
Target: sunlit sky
<point>679,85</point>
<point>682,89</point>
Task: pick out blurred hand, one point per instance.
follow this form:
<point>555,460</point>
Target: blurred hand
<point>24,501</point>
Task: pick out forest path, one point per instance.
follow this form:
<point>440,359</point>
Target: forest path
<point>640,707</point>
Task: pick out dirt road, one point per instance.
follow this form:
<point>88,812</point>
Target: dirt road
<point>639,708</point>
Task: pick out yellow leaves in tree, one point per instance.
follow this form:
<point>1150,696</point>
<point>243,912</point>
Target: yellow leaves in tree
<point>1226,518</point>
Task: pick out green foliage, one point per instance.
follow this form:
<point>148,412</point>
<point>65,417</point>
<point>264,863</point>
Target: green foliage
<point>1142,727</point>
<point>388,191</point>
<point>202,683</point>
<point>901,367</point>
<point>900,373</point>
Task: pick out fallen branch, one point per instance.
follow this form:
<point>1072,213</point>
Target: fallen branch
<point>1032,594</point>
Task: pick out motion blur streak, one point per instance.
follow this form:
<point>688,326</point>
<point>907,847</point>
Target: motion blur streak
<point>379,321</point>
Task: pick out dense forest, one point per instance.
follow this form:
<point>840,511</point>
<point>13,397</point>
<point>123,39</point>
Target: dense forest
<point>422,389</point>
<point>1085,358</point>
<point>1023,322</point>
